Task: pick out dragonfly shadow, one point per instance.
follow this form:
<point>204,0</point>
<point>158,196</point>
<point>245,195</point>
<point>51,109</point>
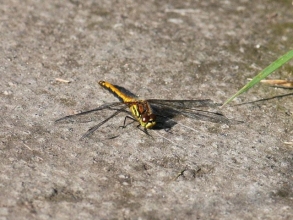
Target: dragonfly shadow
<point>265,99</point>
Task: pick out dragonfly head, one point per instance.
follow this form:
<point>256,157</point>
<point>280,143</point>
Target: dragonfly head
<point>148,121</point>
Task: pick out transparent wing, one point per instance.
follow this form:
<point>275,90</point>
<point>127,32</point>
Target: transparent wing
<point>189,108</point>
<point>184,104</point>
<point>87,116</point>
<point>96,127</point>
<point>215,117</point>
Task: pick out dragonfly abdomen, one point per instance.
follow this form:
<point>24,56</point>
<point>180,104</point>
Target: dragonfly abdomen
<point>116,91</point>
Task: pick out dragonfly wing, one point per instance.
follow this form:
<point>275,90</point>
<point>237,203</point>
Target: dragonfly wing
<point>184,104</point>
<point>87,116</point>
<point>96,127</point>
<point>171,112</point>
<point>215,117</point>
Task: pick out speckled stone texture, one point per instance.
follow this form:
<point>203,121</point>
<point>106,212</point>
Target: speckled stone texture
<point>156,49</point>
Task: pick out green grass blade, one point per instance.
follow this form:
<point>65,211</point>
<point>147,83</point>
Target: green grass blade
<point>264,73</point>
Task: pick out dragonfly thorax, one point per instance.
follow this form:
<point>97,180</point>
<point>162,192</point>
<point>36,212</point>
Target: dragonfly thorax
<point>143,113</point>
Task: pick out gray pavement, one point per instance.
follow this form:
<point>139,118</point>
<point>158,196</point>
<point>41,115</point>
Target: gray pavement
<point>156,49</point>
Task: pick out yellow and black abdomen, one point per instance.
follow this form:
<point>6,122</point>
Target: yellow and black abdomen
<point>117,91</point>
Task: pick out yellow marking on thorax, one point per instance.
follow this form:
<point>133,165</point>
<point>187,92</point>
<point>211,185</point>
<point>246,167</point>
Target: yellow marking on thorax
<point>141,110</point>
<point>117,92</point>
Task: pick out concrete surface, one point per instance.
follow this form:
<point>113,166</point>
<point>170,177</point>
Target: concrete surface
<point>156,49</point>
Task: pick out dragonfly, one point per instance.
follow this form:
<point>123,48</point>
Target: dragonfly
<point>150,113</point>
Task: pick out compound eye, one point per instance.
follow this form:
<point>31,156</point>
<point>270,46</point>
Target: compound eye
<point>152,117</point>
<point>145,118</point>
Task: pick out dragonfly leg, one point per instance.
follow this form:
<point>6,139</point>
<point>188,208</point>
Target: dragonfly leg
<point>124,126</point>
<point>94,128</point>
<point>144,131</point>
